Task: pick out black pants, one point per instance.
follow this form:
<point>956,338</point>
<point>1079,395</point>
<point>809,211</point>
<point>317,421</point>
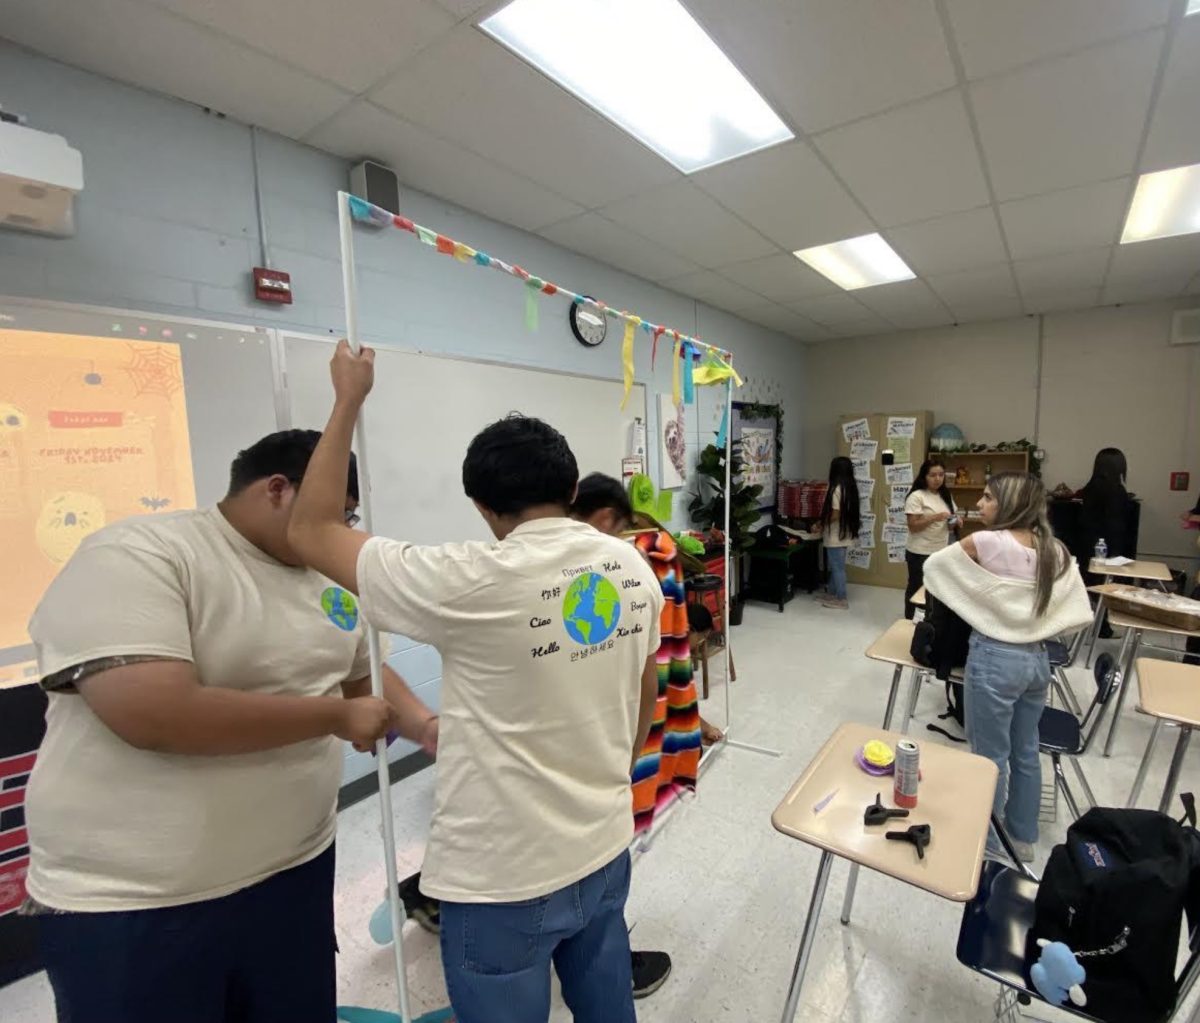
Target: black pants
<point>916,579</point>
<point>261,955</point>
<point>1193,645</point>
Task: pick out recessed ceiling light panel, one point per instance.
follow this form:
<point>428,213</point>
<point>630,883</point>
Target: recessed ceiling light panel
<point>1165,204</point>
<point>855,263</point>
<point>650,68</point>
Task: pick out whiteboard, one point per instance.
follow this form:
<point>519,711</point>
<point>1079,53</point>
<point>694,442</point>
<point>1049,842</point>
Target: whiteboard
<point>424,411</point>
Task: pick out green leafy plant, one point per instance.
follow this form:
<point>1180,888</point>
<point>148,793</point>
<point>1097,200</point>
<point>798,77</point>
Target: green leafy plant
<point>708,505</point>
<point>1024,444</point>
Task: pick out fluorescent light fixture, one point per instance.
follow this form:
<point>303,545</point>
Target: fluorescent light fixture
<point>1193,7</point>
<point>855,263</point>
<point>648,67</point>
<point>1165,203</point>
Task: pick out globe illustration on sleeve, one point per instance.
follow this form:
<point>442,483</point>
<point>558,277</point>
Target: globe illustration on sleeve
<point>340,608</point>
<point>591,609</point>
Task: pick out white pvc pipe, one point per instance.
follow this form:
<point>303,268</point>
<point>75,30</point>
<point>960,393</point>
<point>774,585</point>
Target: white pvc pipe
<point>350,293</point>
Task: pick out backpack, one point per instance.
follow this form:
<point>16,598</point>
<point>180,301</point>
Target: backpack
<point>1115,893</point>
<point>941,642</point>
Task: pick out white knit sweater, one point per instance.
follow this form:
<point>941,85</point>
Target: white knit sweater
<point>1002,608</point>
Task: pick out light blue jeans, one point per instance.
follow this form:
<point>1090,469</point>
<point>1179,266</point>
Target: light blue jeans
<point>1005,693</point>
<point>835,559</point>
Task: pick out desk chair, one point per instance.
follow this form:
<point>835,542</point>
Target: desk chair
<point>1061,733</point>
<point>1061,657</point>
<point>991,942</point>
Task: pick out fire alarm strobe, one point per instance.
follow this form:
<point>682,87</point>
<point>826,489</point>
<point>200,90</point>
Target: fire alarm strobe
<point>272,285</point>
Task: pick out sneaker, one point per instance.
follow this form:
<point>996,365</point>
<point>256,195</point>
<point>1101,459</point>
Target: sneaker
<point>1025,851</point>
<point>650,972</point>
<point>418,907</point>
<point>836,604</point>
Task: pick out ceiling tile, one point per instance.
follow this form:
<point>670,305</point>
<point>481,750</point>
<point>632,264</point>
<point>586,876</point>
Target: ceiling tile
<point>788,194</point>
<point>1069,121</point>
<point>315,37</point>
<point>1072,218</point>
<point>959,241</point>
<point>1174,139</point>
<point>466,8</point>
<point>785,321</point>
<point>994,37</point>
<point>985,293</point>
<point>906,304</point>
<point>1068,271</point>
<point>425,162</point>
<point>601,239</point>
<point>687,221</point>
<point>157,50</point>
<point>711,287</point>
<point>841,312</point>
<point>1164,259</point>
<point>1140,291</point>
<point>781,277</point>
<point>910,164</point>
<point>826,62</point>
<point>1062,301</point>
<point>470,90</point>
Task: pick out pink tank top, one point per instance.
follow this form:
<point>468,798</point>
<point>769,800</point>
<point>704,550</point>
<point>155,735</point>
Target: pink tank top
<point>1002,555</point>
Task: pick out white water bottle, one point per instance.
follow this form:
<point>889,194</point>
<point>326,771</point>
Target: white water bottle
<point>1101,549</point>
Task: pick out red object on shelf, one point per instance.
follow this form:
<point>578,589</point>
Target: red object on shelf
<point>272,285</point>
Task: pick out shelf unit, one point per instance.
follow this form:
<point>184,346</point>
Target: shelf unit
<point>966,495</point>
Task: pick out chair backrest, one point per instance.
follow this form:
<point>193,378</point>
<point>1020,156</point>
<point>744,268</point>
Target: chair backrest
<point>1104,674</point>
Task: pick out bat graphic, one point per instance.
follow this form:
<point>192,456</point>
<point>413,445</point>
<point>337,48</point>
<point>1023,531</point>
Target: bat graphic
<point>155,503</point>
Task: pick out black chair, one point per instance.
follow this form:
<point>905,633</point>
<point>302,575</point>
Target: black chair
<point>992,935</point>
<point>1062,734</point>
<point>1060,659</point>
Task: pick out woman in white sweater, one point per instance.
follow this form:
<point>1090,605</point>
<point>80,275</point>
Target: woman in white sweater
<point>1013,583</point>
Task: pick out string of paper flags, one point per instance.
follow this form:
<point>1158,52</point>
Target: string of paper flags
<point>716,365</point>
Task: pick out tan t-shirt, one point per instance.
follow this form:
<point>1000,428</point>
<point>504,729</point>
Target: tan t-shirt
<point>112,827</point>
<point>932,538</point>
<point>543,637</point>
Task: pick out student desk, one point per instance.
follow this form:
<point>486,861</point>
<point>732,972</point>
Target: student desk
<point>1170,692</point>
<point>955,797</point>
<point>1134,628</point>
<point>1135,571</point>
<point>918,598</point>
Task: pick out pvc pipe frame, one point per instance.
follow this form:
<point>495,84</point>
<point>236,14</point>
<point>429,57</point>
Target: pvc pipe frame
<point>350,294</point>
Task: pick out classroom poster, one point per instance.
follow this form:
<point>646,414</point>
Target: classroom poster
<point>864,449</point>
<point>857,429</point>
<point>896,554</point>
<point>672,444</point>
<point>896,517</point>
<point>901,448</point>
<point>858,557</point>
<point>92,429</point>
<point>758,460</point>
<point>900,473</point>
<point>866,490</point>
<point>895,534</point>
<point>866,525</point>
<point>898,494</point>
<point>862,468</point>
<point>901,426</point>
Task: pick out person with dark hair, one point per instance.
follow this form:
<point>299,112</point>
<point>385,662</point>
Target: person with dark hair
<point>182,810</point>
<point>547,637</point>
<point>1104,515</point>
<point>1191,520</point>
<point>929,510</point>
<point>840,523</point>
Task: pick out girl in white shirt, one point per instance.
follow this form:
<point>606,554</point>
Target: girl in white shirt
<point>929,510</point>
<point>840,520</point>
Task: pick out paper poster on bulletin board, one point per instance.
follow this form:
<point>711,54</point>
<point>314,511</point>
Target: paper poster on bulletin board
<point>92,429</point>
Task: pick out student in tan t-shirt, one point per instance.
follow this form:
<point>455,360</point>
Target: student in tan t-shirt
<point>181,812</point>
<point>549,683</point>
<point>929,510</point>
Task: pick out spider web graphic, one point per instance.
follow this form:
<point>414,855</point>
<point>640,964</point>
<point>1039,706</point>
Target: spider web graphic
<point>155,370</point>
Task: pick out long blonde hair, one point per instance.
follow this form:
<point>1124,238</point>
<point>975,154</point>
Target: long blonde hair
<point>1021,504</point>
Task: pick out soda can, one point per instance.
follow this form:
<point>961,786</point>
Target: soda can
<point>908,773</point>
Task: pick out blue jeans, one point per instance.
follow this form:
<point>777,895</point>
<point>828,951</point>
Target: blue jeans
<point>1005,693</point>
<point>497,956</point>
<point>261,955</point>
<point>835,559</point>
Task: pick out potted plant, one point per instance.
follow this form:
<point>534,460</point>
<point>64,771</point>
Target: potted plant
<point>708,512</point>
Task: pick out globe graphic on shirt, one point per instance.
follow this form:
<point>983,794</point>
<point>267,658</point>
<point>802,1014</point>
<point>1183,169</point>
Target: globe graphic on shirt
<point>340,608</point>
<point>591,609</point>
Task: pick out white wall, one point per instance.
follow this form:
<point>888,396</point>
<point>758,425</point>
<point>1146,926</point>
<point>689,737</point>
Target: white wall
<point>1108,378</point>
<point>167,223</point>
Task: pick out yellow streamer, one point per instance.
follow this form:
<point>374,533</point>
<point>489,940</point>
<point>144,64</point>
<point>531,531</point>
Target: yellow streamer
<point>631,325</point>
<point>463,253</point>
<point>676,390</point>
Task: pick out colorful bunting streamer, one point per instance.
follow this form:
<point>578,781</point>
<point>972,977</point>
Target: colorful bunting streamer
<point>689,391</point>
<point>718,363</point>
<point>631,325</point>
<point>724,430</point>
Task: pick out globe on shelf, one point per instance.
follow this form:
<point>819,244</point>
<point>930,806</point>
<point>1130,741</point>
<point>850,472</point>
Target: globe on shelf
<point>947,437</point>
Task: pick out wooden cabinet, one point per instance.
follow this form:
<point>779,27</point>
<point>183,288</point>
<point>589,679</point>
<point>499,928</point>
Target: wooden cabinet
<point>880,570</point>
<point>974,468</point>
